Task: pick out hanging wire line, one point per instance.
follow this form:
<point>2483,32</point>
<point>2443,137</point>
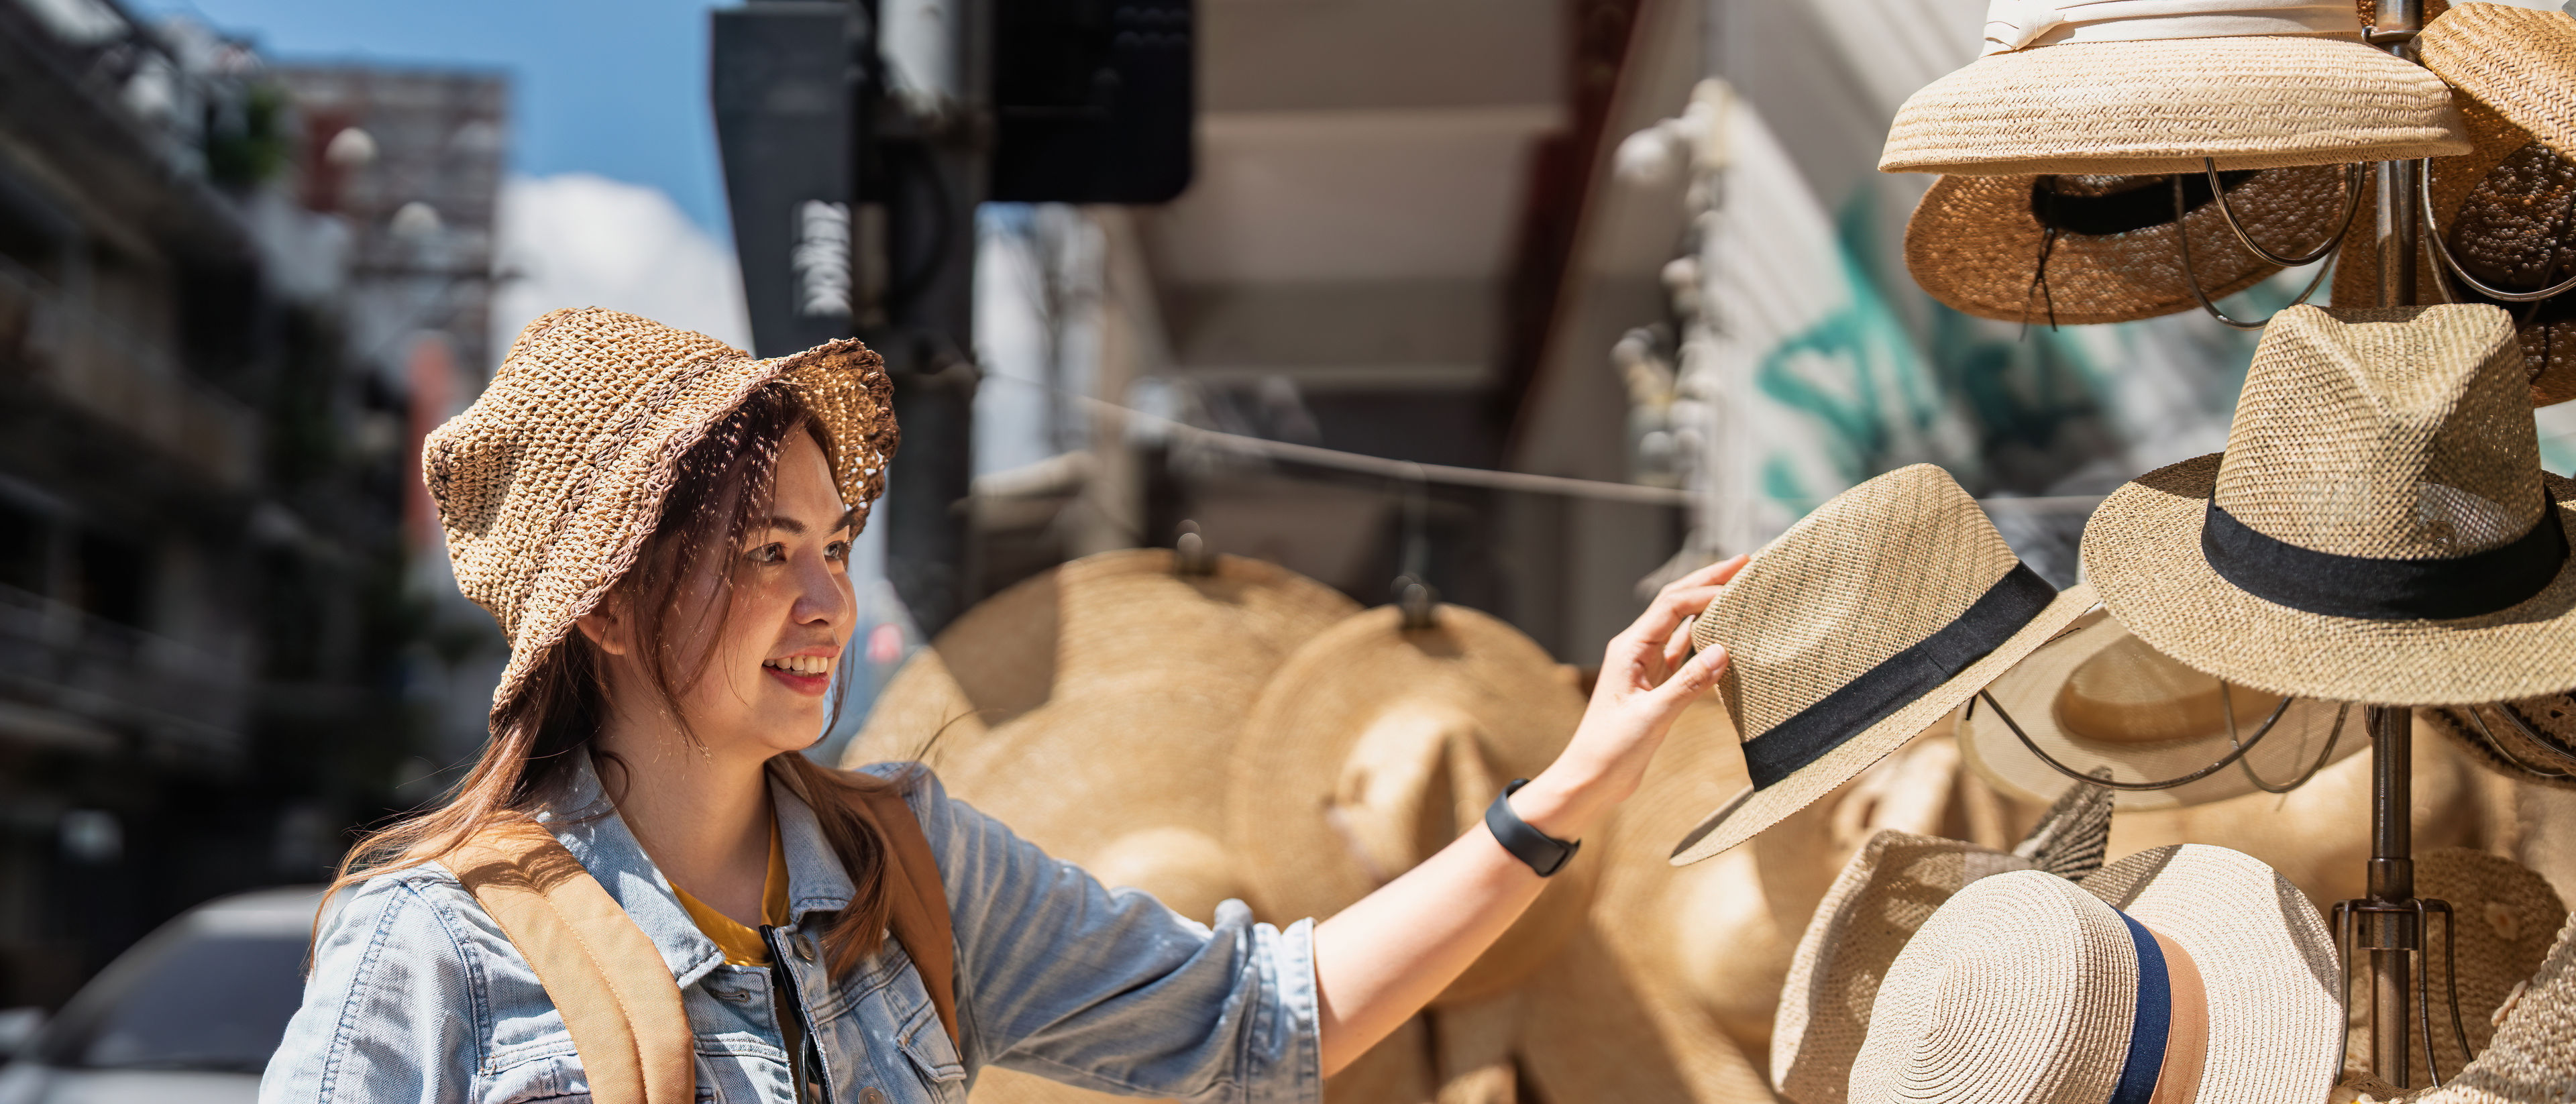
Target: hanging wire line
<point>2333,736</point>
<point>2182,243</point>
<point>2442,251</point>
<point>2269,723</point>
<point>2352,186</point>
<point>1410,471</point>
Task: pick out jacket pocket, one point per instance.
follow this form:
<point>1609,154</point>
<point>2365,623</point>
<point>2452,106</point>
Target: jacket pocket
<point>925,1043</point>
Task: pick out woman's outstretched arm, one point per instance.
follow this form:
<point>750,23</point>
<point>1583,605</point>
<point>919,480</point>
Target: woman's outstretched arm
<point>1384,958</point>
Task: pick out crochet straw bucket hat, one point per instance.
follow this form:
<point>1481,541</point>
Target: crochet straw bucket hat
<point>2532,1057</point>
<point>1375,745</point>
<point>2079,250</point>
<point>2493,735</point>
<point>2155,86</point>
<point>2098,698</point>
<point>2506,915</point>
<point>2506,207</point>
<point>2379,529</point>
<point>1866,622</point>
<point>549,483</point>
<point>2025,988</point>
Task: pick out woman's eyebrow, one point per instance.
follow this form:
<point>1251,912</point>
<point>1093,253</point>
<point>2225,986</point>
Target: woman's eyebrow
<point>794,527</point>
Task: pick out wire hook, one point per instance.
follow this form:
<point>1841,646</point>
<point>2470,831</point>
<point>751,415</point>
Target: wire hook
<point>2351,208</point>
<point>2182,243</point>
<point>2442,252</point>
<point>2268,724</point>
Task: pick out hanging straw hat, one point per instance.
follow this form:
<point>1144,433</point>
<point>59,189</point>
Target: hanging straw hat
<point>2078,250</point>
<point>1148,677</point>
<point>2532,1057</point>
<point>2098,698</point>
<point>2155,86</point>
<point>2493,736</point>
<point>1862,625</point>
<point>2505,915</point>
<point>1376,745</point>
<point>2024,987</point>
<point>549,483</point>
<point>2379,529</point>
<point>2505,207</point>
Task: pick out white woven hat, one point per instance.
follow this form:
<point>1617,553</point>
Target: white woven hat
<point>2192,963</point>
<point>2155,86</point>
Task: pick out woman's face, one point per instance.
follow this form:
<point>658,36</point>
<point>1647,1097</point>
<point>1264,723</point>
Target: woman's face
<point>769,672</point>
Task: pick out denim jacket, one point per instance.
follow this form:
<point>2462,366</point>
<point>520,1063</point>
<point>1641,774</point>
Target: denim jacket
<point>416,995</point>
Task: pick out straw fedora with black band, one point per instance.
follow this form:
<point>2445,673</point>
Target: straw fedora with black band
<point>2156,86</point>
<point>2379,529</point>
<point>2097,698</point>
<point>2507,208</point>
<point>549,483</point>
<point>2086,249</point>
<point>2190,964</point>
<point>1862,625</point>
<point>2493,736</point>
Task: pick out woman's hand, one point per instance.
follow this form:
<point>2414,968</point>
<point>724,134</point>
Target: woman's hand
<point>1648,675</point>
<point>1380,960</point>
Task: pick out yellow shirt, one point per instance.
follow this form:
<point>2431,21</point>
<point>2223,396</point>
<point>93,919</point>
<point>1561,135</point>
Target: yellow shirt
<point>740,942</point>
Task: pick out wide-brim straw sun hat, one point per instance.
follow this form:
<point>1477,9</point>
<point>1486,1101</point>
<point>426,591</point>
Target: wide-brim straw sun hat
<point>2493,736</point>
<point>548,485</point>
<point>1881,897</point>
<point>2379,529</point>
<point>2025,988</point>
<point>2504,208</point>
<point>1862,625</point>
<point>1376,745</point>
<point>2099,699</point>
<point>2085,249</point>
<point>2506,915</point>
<point>2532,1057</point>
<point>1117,754</point>
<point>2155,86</point>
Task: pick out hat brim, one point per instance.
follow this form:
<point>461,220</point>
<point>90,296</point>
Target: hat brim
<point>1757,808</point>
<point>1858,929</point>
<point>1974,244</point>
<point>2141,550</point>
<point>2266,963</point>
<point>2029,693</point>
<point>2161,106</point>
<point>2459,725</point>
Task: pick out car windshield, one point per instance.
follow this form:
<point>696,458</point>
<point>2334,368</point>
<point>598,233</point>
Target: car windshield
<point>184,1000</point>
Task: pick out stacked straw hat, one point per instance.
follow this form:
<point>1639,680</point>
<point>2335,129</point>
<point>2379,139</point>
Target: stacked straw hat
<point>2504,208</point>
<point>2192,965</point>
<point>549,483</point>
<point>2098,699</point>
<point>2528,740</point>
<point>2379,529</point>
<point>1375,745</point>
<point>2155,86</point>
<point>2532,1057</point>
<point>2503,916</point>
<point>1862,625</point>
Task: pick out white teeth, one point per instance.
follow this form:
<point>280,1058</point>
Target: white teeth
<point>802,665</point>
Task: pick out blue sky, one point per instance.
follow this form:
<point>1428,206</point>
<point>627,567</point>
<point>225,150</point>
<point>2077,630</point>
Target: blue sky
<point>614,87</point>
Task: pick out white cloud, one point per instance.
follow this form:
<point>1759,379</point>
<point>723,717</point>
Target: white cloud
<point>582,240</point>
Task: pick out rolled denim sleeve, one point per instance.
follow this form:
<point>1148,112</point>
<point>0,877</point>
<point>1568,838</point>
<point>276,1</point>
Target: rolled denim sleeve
<point>385,1013</point>
<point>1062,978</point>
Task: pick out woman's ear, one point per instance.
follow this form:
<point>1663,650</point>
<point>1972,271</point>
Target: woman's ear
<point>607,627</point>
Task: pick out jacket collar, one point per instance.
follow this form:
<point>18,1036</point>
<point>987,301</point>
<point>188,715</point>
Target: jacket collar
<point>588,825</point>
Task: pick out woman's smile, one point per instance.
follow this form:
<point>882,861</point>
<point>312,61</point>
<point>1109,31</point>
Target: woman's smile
<point>808,672</point>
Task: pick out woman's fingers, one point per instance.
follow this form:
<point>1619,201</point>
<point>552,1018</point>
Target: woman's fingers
<point>1691,679</point>
<point>1667,612</point>
<point>1715,574</point>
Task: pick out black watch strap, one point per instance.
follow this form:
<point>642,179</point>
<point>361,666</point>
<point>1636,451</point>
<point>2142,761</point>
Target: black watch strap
<point>1545,854</point>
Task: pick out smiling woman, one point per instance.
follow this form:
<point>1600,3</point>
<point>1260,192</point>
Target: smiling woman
<point>662,525</point>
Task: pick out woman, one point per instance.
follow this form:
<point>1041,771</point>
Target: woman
<point>663,525</point>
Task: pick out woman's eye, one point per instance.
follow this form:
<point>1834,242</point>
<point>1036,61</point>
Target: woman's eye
<point>837,551</point>
<point>769,553</point>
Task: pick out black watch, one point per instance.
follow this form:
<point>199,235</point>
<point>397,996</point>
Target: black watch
<point>1544,853</point>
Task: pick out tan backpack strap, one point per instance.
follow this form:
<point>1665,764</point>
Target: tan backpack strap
<point>619,1002</point>
<point>919,903</point>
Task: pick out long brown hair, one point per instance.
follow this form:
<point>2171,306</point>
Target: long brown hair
<point>722,488</point>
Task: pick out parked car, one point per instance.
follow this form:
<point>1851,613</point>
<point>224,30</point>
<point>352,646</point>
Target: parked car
<point>189,1016</point>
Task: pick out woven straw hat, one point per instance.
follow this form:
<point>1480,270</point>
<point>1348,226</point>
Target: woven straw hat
<point>1862,625</point>
<point>2491,737</point>
<point>2532,1057</point>
<point>2379,529</point>
<point>1375,746</point>
<point>2506,916</point>
<point>2105,244</point>
<point>2098,698</point>
<point>1878,901</point>
<point>2067,993</point>
<point>2505,206</point>
<point>1135,707</point>
<point>549,483</point>
<point>2155,86</point>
